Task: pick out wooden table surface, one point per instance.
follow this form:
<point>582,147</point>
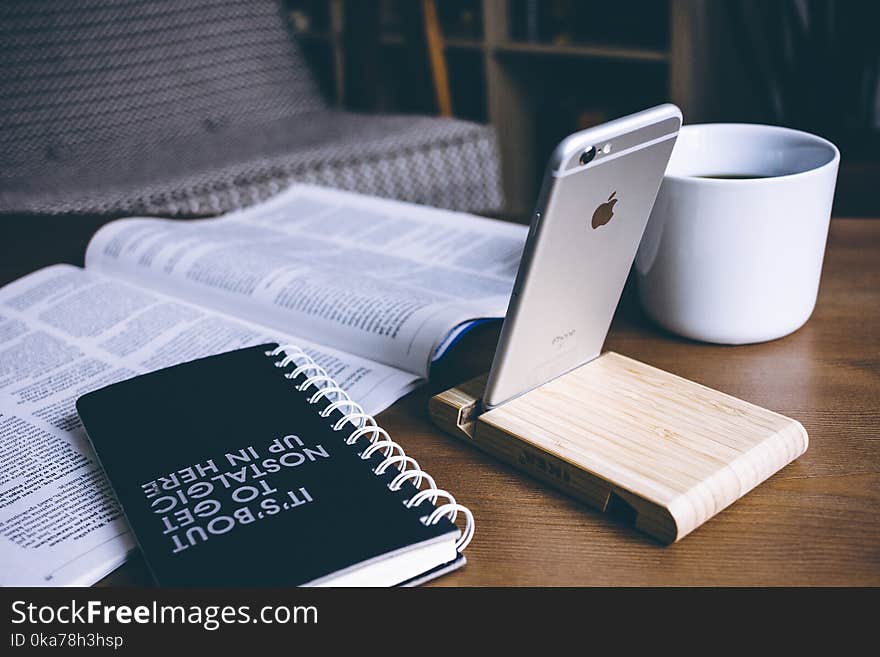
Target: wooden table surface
<point>816,522</point>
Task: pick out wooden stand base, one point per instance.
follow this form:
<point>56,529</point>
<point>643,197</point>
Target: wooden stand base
<point>659,450</point>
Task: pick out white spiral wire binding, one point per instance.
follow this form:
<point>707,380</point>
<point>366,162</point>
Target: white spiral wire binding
<point>357,434</point>
<point>450,511</point>
<point>403,459</point>
<point>386,446</point>
<point>418,475</point>
<point>364,424</point>
<point>429,493</point>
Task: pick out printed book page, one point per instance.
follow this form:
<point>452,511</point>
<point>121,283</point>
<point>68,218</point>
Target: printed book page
<point>65,331</point>
<point>386,280</point>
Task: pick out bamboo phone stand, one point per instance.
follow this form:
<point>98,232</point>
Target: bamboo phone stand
<point>622,436</point>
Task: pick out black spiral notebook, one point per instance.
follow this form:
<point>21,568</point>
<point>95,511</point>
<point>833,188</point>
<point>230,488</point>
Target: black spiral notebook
<point>252,468</point>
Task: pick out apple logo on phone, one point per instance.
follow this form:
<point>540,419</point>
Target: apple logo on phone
<point>604,212</point>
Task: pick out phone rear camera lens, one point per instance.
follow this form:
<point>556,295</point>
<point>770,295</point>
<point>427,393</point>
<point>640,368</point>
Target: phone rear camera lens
<point>588,155</point>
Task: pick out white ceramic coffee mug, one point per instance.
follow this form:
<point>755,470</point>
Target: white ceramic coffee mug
<point>734,246</point>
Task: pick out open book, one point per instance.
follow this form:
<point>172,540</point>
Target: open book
<point>373,290</point>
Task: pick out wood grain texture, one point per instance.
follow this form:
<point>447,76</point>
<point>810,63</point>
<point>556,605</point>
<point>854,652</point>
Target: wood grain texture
<point>660,451</point>
<point>815,522</point>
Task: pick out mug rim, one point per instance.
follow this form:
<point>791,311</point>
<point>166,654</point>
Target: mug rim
<point>756,127</point>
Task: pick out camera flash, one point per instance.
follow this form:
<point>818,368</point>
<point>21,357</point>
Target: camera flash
<point>606,149</point>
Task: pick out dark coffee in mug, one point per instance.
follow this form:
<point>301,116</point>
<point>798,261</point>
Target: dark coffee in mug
<point>732,176</point>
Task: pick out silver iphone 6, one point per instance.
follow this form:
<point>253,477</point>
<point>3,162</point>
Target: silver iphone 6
<point>594,204</point>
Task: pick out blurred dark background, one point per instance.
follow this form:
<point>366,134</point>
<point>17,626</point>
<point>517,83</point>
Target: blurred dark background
<point>196,107</point>
<point>539,69</point>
